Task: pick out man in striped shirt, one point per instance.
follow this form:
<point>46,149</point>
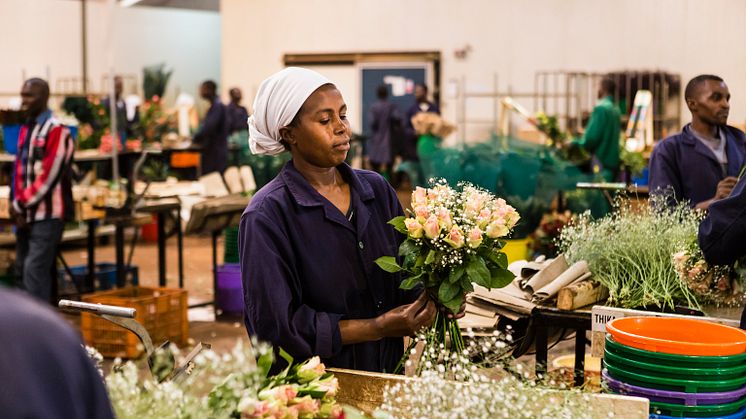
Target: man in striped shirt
<point>42,192</point>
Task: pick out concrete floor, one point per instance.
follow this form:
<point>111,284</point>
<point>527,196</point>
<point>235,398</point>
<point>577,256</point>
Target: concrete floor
<point>222,334</point>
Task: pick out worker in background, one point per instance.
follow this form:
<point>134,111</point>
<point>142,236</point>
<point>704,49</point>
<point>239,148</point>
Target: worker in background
<point>701,164</point>
<point>385,123</point>
<point>126,126</point>
<point>212,135</point>
<point>722,234</point>
<point>237,114</point>
<point>44,369</point>
<point>42,190</point>
<point>601,136</point>
<point>408,150</point>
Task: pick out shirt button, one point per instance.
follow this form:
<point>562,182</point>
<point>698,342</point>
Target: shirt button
<point>379,304</point>
<point>361,245</point>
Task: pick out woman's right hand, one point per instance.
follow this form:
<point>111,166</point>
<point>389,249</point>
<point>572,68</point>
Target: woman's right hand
<point>408,319</point>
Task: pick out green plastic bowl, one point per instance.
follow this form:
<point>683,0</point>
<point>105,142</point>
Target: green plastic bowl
<point>673,384</point>
<point>704,411</point>
<point>682,361</point>
<point>664,371</point>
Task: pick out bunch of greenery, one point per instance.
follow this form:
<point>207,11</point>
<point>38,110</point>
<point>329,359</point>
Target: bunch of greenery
<point>630,252</point>
<point>155,79</point>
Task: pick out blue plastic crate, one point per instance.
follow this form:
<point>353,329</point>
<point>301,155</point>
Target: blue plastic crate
<point>106,275</point>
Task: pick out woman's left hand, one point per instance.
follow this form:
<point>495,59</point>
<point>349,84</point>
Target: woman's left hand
<point>461,311</point>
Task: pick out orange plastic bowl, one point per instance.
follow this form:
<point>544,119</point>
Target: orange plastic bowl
<point>678,336</point>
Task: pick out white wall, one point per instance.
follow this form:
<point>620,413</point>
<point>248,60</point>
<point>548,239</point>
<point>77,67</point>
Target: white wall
<point>36,35</point>
<point>512,38</point>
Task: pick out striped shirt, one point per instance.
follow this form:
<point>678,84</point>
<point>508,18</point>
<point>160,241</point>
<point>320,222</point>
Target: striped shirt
<point>42,187</point>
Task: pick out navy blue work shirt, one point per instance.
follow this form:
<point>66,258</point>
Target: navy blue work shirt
<point>305,267</point>
<point>690,168</point>
<point>722,234</point>
<point>44,370</point>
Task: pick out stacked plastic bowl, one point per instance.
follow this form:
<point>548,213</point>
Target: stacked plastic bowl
<point>686,368</point>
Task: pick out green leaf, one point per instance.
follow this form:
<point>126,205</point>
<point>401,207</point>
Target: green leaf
<point>407,248</point>
<point>430,257</point>
<point>398,223</point>
<point>447,291</point>
<point>409,261</point>
<point>264,363</point>
<point>466,284</point>
<point>500,259</point>
<point>432,280</point>
<point>431,254</point>
<point>478,272</point>
<point>454,304</point>
<point>420,261</point>
<point>456,274</point>
<point>500,278</point>
<point>388,264</point>
<point>286,356</point>
<point>411,282</point>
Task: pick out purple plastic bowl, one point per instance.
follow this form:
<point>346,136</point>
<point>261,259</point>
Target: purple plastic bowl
<point>674,397</point>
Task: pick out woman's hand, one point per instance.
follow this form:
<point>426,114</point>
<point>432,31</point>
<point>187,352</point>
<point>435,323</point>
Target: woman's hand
<point>408,319</point>
<point>404,320</point>
<point>461,311</point>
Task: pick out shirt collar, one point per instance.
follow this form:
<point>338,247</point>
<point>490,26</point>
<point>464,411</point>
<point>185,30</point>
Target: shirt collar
<point>43,117</point>
<point>693,137</point>
<point>305,195</point>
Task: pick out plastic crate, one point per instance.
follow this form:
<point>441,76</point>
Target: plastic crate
<point>185,159</point>
<point>231,245</point>
<point>106,275</point>
<point>162,311</point>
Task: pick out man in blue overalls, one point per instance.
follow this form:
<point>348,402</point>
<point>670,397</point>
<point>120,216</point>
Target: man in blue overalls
<point>722,235</point>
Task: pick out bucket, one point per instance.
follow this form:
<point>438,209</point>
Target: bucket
<point>516,249</point>
<point>229,292</point>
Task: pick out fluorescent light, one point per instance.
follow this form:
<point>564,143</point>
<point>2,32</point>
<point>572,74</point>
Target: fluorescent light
<point>128,3</point>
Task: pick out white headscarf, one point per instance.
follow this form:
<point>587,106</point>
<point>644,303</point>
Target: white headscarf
<point>278,100</point>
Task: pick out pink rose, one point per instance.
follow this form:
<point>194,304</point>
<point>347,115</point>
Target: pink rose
<point>421,212</point>
<point>305,405</point>
<point>432,228</point>
<point>444,219</point>
<point>484,218</point>
<point>311,369</point>
<point>330,385</point>
<point>455,238</point>
<point>419,196</point>
<point>475,238</point>
<point>414,228</point>
<point>497,229</point>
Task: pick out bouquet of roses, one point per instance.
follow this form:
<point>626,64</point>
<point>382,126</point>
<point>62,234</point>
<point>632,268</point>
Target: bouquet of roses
<point>453,240</point>
<point>714,283</point>
<point>302,390</point>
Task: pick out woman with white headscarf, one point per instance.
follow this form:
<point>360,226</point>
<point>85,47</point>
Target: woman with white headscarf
<point>309,238</point>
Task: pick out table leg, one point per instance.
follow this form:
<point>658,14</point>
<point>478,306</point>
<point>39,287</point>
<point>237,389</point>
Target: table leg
<point>541,350</point>
<point>180,244</point>
<point>215,235</point>
<point>579,371</point>
<point>90,279</point>
<point>161,250</point>
<point>119,245</point>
